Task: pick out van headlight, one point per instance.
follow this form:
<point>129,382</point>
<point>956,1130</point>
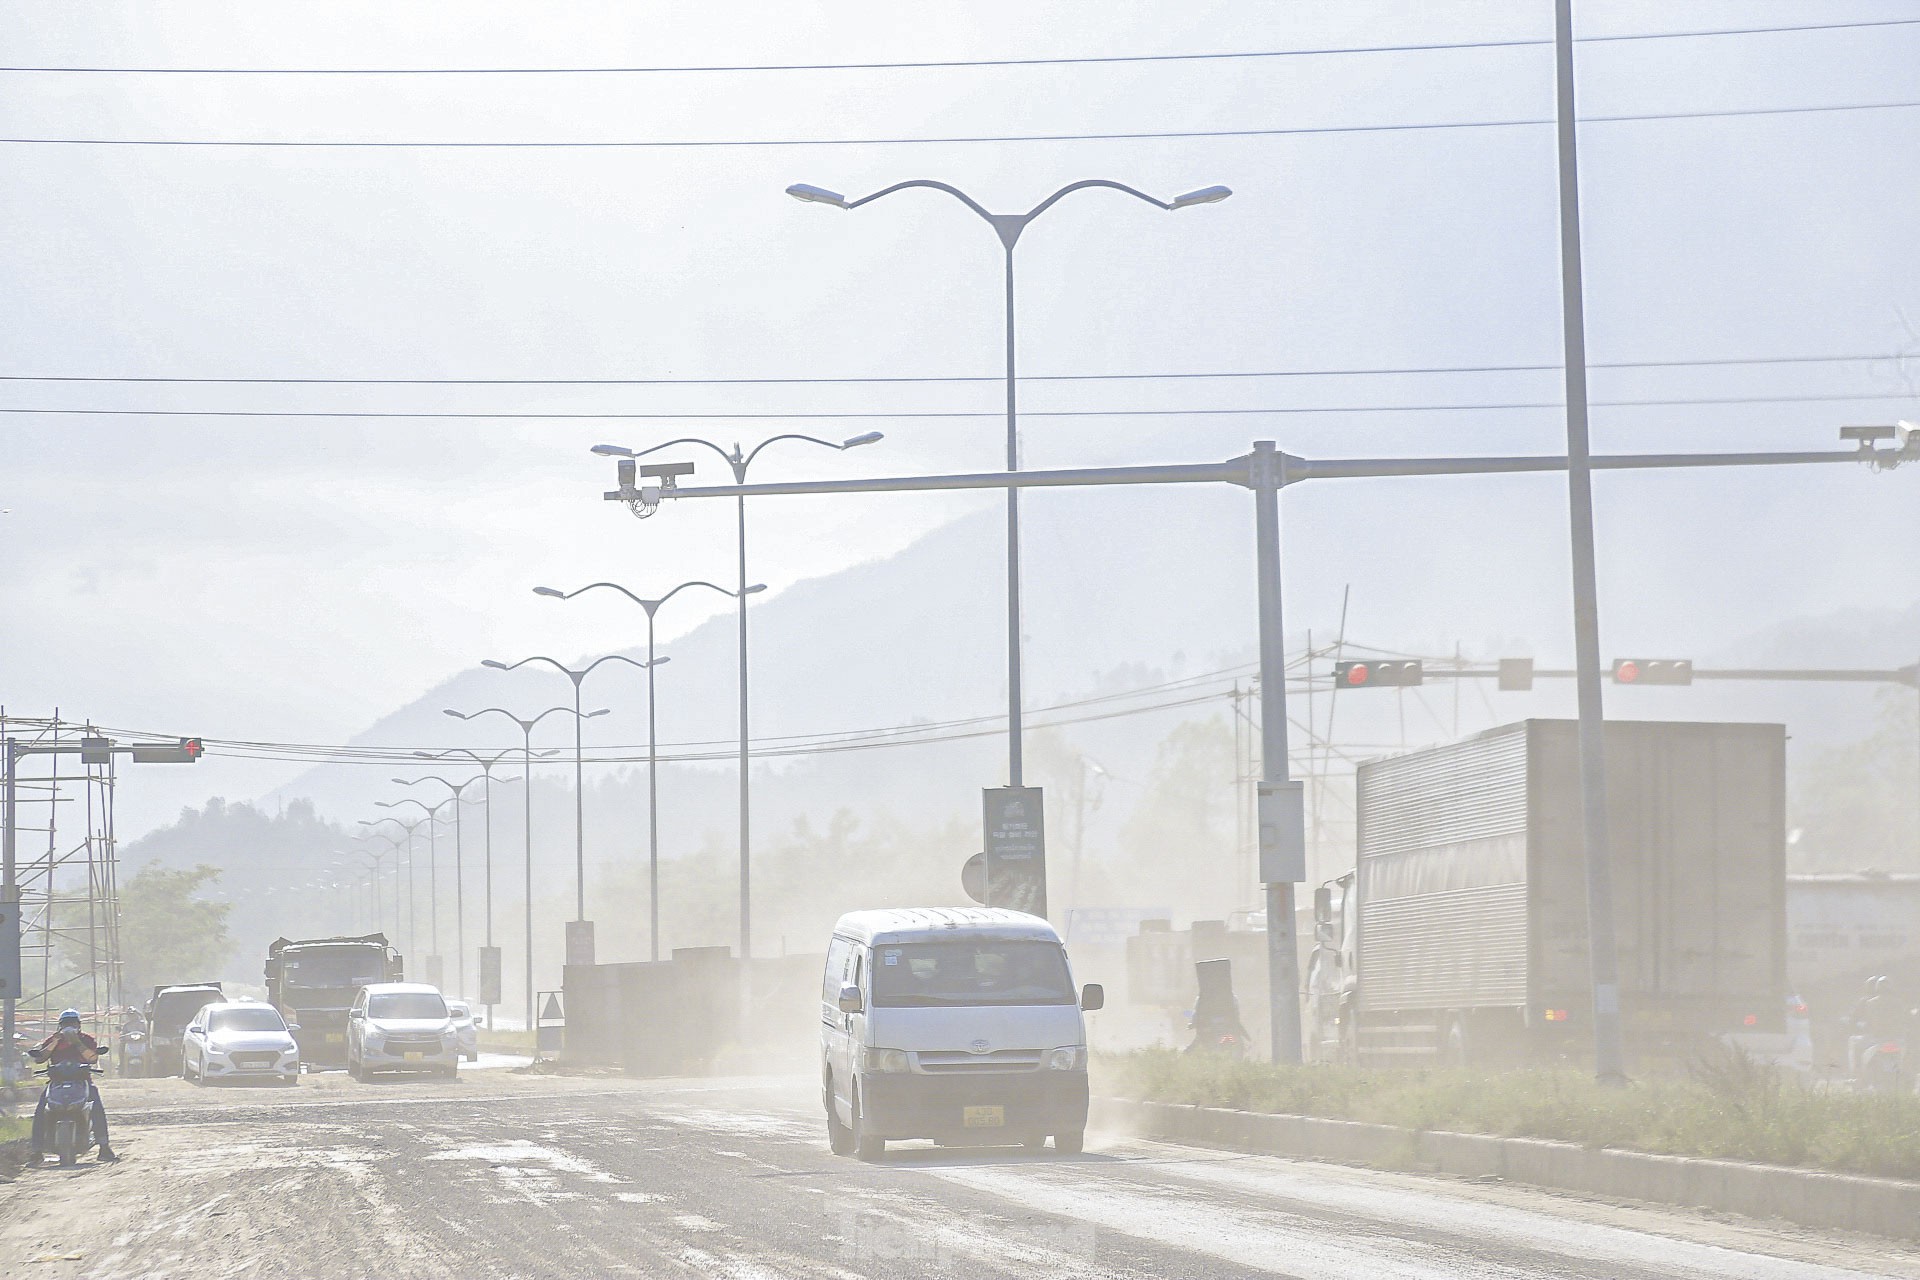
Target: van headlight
<point>887,1060</point>
<point>1071,1058</point>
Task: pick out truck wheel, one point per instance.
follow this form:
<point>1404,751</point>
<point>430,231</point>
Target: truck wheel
<point>865,1147</point>
<point>1070,1144</point>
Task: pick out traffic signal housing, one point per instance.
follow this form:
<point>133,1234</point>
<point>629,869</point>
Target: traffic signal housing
<point>1652,671</point>
<point>187,751</point>
<point>1370,675</point>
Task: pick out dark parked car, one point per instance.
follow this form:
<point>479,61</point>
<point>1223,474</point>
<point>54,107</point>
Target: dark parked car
<point>168,1014</point>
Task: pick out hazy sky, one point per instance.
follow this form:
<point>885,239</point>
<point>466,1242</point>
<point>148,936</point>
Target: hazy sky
<point>296,578</point>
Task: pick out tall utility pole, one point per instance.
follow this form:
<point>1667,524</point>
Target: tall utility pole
<point>1609,1053</point>
<point>1266,470</point>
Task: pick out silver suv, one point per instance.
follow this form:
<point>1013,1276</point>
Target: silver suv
<point>401,1026</point>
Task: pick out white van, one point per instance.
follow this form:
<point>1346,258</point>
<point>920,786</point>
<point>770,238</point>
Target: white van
<point>956,1024</point>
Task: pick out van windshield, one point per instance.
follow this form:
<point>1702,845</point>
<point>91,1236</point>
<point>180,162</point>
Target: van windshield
<point>970,973</point>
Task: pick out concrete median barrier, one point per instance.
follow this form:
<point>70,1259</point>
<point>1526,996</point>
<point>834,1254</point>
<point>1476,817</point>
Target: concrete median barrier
<point>1807,1197</point>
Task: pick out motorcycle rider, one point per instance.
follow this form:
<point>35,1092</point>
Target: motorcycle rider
<point>70,1044</point>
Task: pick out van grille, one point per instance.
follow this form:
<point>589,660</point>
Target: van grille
<point>949,1063</point>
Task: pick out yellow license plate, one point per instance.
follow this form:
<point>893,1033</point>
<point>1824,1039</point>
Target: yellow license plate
<point>335,1037</point>
<point>414,1055</point>
<point>983,1117</point>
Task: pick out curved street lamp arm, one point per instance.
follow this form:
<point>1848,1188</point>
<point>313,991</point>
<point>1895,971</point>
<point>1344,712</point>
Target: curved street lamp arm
<point>953,191</point>
<point>747,461</point>
<point>641,453</point>
<point>395,804</point>
<point>699,582</point>
<point>555,663</point>
<point>568,595</point>
<point>618,657</point>
<point>1072,187</point>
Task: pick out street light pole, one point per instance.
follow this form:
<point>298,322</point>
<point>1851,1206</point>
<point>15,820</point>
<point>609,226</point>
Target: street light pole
<point>579,933</point>
<point>457,795</point>
<point>1267,470</point>
<point>1008,227</point>
<point>739,461</point>
<point>526,813</point>
<point>433,871</point>
<point>652,607</point>
<point>486,764</point>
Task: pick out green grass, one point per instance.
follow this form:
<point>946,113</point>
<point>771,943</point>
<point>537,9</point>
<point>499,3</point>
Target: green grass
<point>504,1041</point>
<point>15,1128</point>
<point>1721,1107</point>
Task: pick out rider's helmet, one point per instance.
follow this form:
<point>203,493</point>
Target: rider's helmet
<point>70,1018</point>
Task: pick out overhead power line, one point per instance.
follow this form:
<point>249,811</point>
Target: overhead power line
<point>1524,42</point>
<point>994,378</point>
<point>946,414</point>
<point>579,144</point>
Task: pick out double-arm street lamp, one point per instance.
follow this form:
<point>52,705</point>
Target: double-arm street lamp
<point>486,764</point>
<point>1008,227</point>
<point>579,933</point>
<point>432,822</point>
<point>653,742</point>
<point>740,461</point>
<point>527,754</point>
<point>413,915</point>
<point>456,792</point>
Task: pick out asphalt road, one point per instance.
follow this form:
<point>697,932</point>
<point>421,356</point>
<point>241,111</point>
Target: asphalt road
<point>511,1174</point>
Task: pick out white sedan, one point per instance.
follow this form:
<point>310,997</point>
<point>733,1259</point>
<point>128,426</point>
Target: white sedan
<point>466,1033</point>
<point>239,1041</point>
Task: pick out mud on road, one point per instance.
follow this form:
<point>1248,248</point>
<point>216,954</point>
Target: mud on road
<point>501,1174</point>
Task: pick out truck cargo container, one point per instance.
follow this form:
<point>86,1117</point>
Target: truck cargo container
<point>1462,932</point>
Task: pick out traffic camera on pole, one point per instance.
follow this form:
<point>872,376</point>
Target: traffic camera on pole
<point>1652,671</point>
<point>1370,675</point>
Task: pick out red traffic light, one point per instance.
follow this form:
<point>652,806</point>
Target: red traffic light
<point>1364,675</point>
<point>1653,671</point>
<point>193,747</point>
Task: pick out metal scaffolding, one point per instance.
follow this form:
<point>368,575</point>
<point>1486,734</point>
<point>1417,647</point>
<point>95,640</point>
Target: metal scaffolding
<point>67,877</point>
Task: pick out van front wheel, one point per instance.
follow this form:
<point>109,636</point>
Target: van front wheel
<point>1070,1144</point>
<point>865,1146</point>
<point>839,1136</point>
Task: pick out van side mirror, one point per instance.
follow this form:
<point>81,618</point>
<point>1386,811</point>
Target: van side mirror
<point>356,1014</point>
<point>850,1001</point>
<point>1323,903</point>
<point>1093,996</point>
<point>293,1026</point>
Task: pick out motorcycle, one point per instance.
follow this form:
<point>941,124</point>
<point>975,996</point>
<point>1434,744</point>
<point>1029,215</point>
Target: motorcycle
<point>1882,1065</point>
<point>133,1053</point>
<point>69,1095</point>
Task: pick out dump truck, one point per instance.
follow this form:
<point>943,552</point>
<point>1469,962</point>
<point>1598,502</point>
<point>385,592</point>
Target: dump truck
<point>1461,934</point>
<point>313,981</point>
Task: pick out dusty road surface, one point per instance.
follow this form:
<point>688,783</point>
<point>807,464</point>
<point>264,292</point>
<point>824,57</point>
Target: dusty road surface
<point>506,1174</point>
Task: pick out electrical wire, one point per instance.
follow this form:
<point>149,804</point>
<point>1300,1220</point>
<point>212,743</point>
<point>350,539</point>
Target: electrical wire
<point>533,144</point>
<point>995,378</point>
<point>945,414</point>
<point>967,63</point>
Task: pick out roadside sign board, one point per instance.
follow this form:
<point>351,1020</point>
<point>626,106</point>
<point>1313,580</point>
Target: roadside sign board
<point>10,950</point>
<point>1016,849</point>
<point>489,975</point>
